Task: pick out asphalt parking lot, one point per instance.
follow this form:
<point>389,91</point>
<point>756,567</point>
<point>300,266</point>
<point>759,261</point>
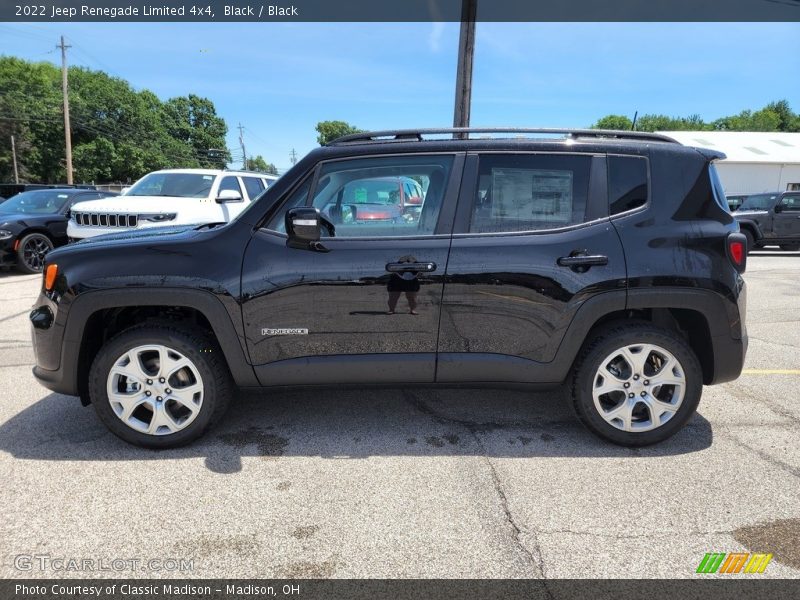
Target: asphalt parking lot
<point>411,483</point>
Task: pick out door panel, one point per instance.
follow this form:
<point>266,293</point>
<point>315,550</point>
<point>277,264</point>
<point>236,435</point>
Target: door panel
<point>313,316</point>
<point>787,222</point>
<point>507,293</point>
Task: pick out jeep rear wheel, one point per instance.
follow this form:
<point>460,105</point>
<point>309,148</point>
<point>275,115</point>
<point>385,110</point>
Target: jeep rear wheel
<point>636,385</point>
<point>159,386</point>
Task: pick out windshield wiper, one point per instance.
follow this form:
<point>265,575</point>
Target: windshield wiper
<point>210,225</point>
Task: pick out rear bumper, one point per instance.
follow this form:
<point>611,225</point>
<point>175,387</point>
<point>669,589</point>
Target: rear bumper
<point>729,355</point>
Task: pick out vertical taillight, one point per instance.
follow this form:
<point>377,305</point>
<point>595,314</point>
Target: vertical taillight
<point>737,251</point>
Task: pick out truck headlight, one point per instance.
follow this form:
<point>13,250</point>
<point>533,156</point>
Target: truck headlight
<point>158,217</point>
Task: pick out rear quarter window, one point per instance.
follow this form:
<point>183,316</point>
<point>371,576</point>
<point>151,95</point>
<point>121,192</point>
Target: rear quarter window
<point>627,183</point>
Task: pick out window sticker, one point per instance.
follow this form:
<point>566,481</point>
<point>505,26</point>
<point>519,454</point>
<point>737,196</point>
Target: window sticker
<point>532,194</point>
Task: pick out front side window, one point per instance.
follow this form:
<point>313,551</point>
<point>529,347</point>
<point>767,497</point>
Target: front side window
<point>528,192</point>
<point>627,183</point>
<point>362,197</point>
<point>298,198</point>
<point>791,202</point>
<point>229,184</point>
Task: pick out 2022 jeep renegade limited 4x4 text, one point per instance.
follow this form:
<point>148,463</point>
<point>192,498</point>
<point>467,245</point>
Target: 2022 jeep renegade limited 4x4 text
<point>606,260</point>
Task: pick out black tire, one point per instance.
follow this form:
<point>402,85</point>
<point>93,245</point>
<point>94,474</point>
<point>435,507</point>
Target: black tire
<point>790,247</point>
<point>751,242</point>
<point>204,354</point>
<point>605,343</point>
<point>31,252</point>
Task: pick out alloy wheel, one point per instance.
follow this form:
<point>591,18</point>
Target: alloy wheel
<point>155,390</point>
<point>34,251</point>
<point>639,387</point>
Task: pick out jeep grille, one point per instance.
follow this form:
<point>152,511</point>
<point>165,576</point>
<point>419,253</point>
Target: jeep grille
<point>105,219</point>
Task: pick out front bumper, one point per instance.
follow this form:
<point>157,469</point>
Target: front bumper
<point>8,256</point>
<point>56,357</point>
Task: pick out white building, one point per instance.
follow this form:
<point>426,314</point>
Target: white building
<point>757,161</point>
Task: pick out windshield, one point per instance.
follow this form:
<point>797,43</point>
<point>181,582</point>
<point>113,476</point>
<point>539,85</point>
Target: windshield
<point>758,202</point>
<point>179,185</point>
<point>35,203</point>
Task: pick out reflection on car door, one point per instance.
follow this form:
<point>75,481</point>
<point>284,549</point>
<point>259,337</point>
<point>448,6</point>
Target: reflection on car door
<point>330,310</point>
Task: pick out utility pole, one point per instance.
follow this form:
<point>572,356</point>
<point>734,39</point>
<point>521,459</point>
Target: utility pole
<point>293,156</point>
<point>65,92</point>
<point>466,51</point>
<point>14,157</point>
<point>241,142</point>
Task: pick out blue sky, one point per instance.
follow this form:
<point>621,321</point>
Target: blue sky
<point>279,80</point>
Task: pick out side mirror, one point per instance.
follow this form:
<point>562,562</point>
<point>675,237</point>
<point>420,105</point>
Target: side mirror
<point>302,226</point>
<point>228,196</point>
<point>778,208</point>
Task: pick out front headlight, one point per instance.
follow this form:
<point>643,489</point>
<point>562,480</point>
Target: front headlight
<point>5,234</point>
<point>158,217</point>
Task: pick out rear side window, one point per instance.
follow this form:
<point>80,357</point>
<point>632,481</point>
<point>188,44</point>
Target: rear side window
<point>627,183</point>
<point>528,192</point>
<point>254,186</point>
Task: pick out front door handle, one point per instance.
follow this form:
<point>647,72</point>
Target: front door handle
<point>594,260</point>
<point>411,267</point>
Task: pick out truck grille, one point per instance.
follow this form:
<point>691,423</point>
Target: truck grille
<point>105,219</point>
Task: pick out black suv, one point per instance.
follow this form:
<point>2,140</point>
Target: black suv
<point>604,259</point>
<point>771,220</point>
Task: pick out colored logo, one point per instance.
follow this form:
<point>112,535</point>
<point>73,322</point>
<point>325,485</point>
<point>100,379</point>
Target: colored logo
<point>741,562</point>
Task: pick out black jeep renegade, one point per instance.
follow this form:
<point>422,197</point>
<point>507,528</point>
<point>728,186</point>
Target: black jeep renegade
<point>604,260</point>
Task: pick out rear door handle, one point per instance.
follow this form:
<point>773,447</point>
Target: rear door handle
<point>415,267</point>
<point>581,263</point>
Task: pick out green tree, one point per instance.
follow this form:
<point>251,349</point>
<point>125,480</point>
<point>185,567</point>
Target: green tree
<point>259,164</point>
<point>193,120</point>
<point>330,130</point>
<point>118,133</point>
<point>620,122</point>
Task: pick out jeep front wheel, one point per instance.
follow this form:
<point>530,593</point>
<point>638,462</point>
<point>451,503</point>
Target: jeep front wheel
<point>636,385</point>
<point>159,386</point>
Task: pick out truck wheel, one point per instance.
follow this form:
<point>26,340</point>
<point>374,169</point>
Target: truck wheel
<point>636,384</point>
<point>31,252</point>
<point>160,386</point>
<point>751,242</point>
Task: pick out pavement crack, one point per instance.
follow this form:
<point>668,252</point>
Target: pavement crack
<point>636,536</point>
<point>533,556</point>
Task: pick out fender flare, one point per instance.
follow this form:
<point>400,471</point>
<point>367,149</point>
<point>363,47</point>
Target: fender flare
<point>752,226</point>
<point>206,303</point>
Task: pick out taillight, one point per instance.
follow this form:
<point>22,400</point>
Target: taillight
<point>737,251</point>
<point>50,274</point>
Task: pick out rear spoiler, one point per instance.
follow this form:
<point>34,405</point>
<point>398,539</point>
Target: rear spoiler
<point>710,154</point>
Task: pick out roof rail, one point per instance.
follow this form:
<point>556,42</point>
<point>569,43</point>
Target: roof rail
<point>398,135</point>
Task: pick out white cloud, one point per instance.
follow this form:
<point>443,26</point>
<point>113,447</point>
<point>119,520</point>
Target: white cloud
<point>435,37</point>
